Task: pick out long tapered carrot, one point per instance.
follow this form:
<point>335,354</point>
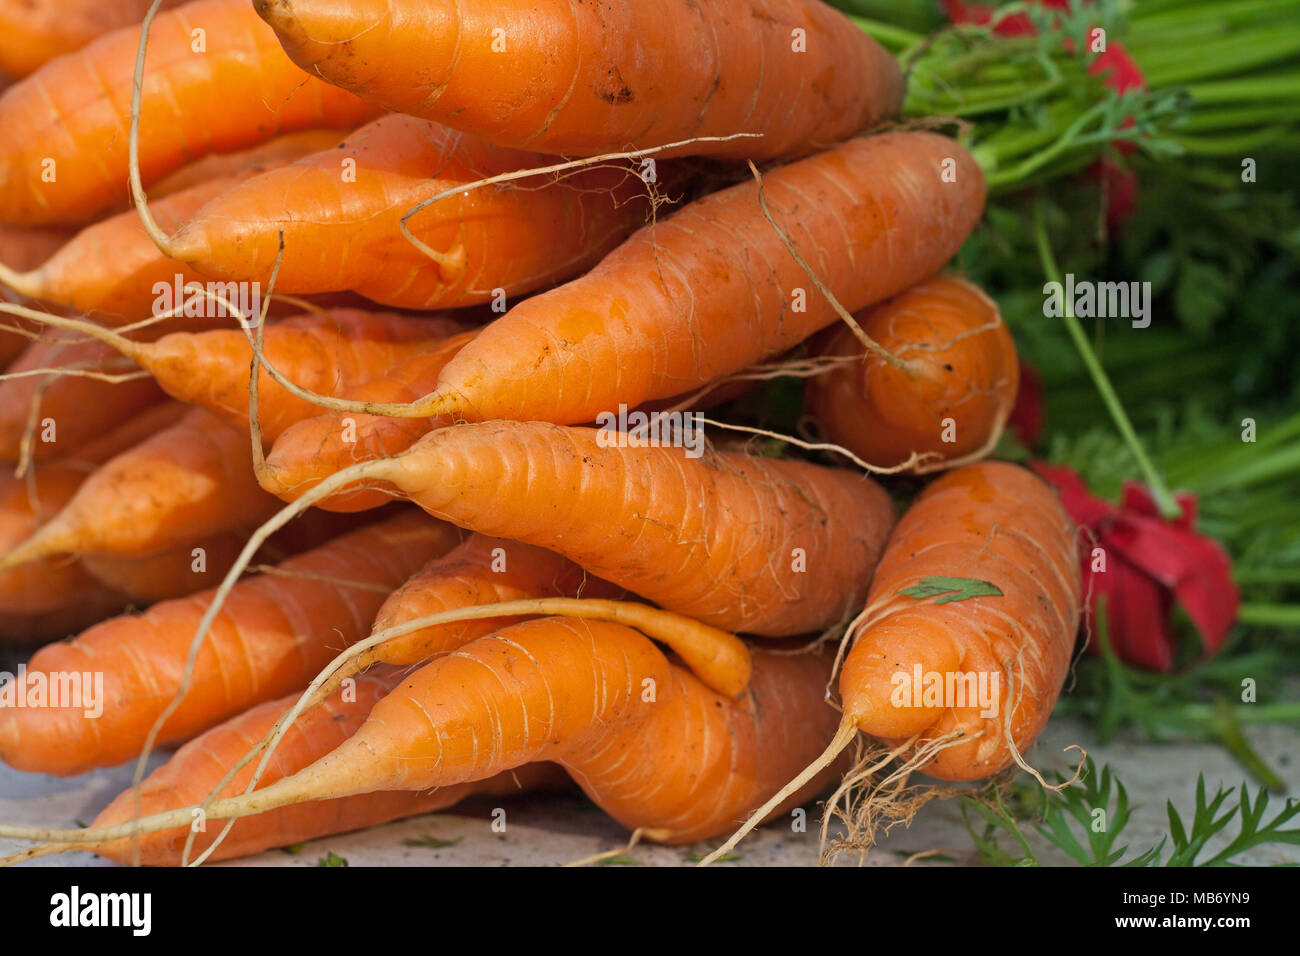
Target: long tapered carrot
<point>746,544</point>
<point>340,212</point>
<point>272,636</point>
<point>965,640</point>
<point>33,32</point>
<point>65,153</point>
<point>275,152</point>
<point>318,446</point>
<point>113,271</point>
<point>604,76</point>
<point>331,351</point>
<point>196,767</point>
<point>187,482</point>
<point>25,503</point>
<point>68,410</point>
<point>649,743</point>
<point>948,402</point>
<point>193,566</point>
<point>481,570</point>
<point>713,288</point>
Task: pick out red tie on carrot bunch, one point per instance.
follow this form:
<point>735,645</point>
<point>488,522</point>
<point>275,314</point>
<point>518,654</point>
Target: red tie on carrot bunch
<point>1122,73</point>
<point>1149,564</point>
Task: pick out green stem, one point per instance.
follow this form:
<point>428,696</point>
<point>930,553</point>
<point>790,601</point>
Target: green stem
<point>1230,735</point>
<point>1269,615</point>
<point>1270,88</point>
<point>887,35</point>
<point>1267,575</point>
<point>1164,501</point>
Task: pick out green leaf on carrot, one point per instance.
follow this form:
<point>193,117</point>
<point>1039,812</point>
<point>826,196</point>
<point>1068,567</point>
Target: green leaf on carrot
<point>293,849</point>
<point>945,590</point>
<point>331,859</point>
<point>431,842</point>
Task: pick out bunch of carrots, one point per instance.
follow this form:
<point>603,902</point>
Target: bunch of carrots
<point>354,421</point>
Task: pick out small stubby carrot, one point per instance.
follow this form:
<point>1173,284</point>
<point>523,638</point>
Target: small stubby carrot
<point>271,637</point>
<point>112,271</point>
<point>316,447</point>
<point>33,32</point>
<point>340,213</point>
<point>68,410</point>
<point>647,741</point>
<point>65,155</point>
<point>759,545</point>
<point>186,482</point>
<point>948,399</point>
<point>186,779</point>
<point>966,636</point>
<point>604,77</point>
<point>713,288</point>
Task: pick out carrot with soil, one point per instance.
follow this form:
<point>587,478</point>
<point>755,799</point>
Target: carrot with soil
<point>980,581</point>
<point>950,400</point>
<point>272,636</point>
<point>65,159</point>
<point>598,71</point>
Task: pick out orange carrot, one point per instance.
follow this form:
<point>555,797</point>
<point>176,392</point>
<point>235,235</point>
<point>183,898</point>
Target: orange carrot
<point>966,636</point>
<point>603,77</point>
<point>186,779</point>
<point>276,152</point>
<point>341,222</point>
<point>745,544</point>
<point>316,447</point>
<point>271,637</point>
<point>713,288</point>
<point>328,352</point>
<point>69,410</point>
<point>169,574</point>
<point>65,153</point>
<point>33,32</point>
<point>113,271</point>
<point>649,743</point>
<point>951,398</point>
<point>481,570</point>
<point>993,522</point>
<point>186,482</point>
<point>191,567</point>
<point>25,503</point>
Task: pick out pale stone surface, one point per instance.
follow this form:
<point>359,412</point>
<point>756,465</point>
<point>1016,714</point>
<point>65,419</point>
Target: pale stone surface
<point>546,830</point>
